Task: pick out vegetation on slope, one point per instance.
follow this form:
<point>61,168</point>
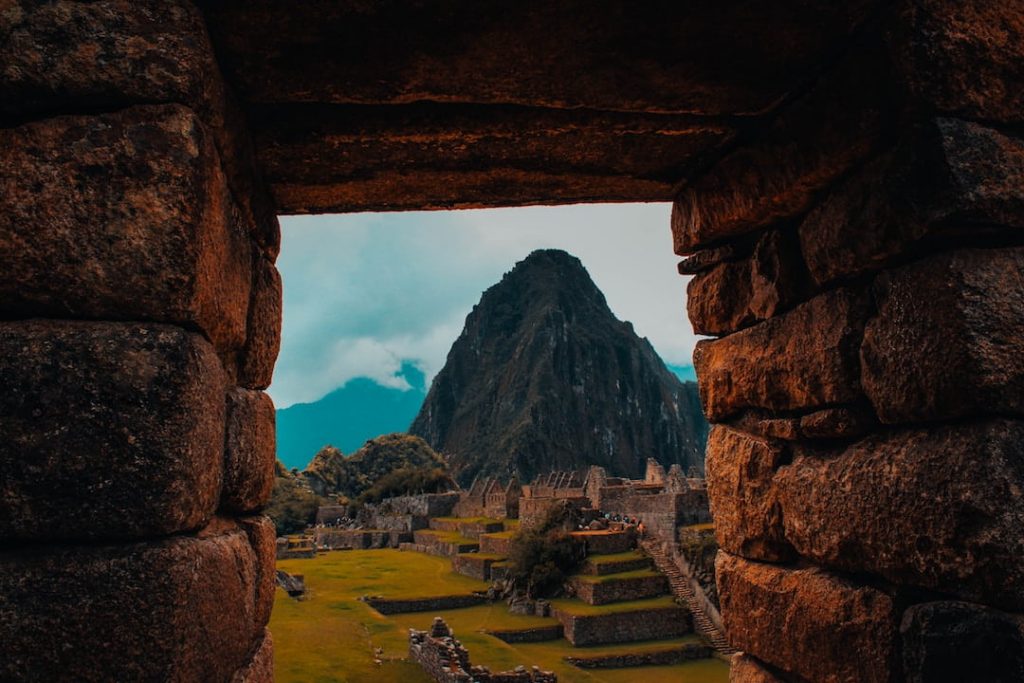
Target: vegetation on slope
<point>541,558</point>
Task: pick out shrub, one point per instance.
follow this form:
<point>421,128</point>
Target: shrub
<point>541,558</point>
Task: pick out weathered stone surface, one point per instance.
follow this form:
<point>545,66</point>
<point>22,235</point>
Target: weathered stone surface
<point>262,537</point>
<point>256,367</point>
<point>106,54</point>
<point>174,610</point>
<point>737,294</point>
<point>706,259</point>
<point>948,340</point>
<point>345,158</point>
<point>809,144</point>
<point>946,177</point>
<point>950,642</point>
<point>804,359</point>
<point>747,514</point>
<point>963,58</point>
<point>808,622</point>
<point>708,59</point>
<point>260,668</point>
<point>110,430</point>
<point>122,216</point>
<point>761,423</point>
<point>65,56</point>
<point>747,669</point>
<point>250,451</point>
<point>939,508</point>
<point>837,423</point>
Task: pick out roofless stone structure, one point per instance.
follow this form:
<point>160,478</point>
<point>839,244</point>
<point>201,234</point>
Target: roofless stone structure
<point>848,181</point>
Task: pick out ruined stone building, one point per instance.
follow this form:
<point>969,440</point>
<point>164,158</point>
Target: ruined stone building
<point>847,182</point>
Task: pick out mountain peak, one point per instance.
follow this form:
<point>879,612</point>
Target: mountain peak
<point>544,377</point>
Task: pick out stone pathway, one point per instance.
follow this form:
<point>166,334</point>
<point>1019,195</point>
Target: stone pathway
<point>680,585</point>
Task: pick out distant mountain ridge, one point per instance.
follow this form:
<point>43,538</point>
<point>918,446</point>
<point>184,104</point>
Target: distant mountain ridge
<point>545,377</point>
<point>348,416</point>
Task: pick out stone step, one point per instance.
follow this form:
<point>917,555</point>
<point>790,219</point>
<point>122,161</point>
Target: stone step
<point>603,590</point>
<point>654,619</point>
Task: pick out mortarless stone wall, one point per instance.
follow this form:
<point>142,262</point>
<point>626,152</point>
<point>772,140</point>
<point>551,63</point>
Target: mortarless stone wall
<point>861,268</point>
<point>139,322</point>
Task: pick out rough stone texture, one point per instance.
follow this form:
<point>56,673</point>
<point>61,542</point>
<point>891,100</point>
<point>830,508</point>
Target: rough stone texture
<point>938,508</point>
<point>963,58</point>
<point>707,59</point>
<point>175,610</point>
<point>745,507</point>
<point>948,340</point>
<point>65,56</point>
<point>256,367</point>
<point>603,592</point>
<point>946,177</point>
<point>737,294</point>
<point>659,623</point>
<point>802,360</point>
<point>429,155</point>
<point>959,641</point>
<point>122,216</point>
<point>838,423</point>
<point>834,631</point>
<point>260,668</point>
<point>110,430</point>
<point>262,537</point>
<point>706,259</point>
<point>762,423</point>
<point>808,145</point>
<point>250,451</point>
<point>747,669</point>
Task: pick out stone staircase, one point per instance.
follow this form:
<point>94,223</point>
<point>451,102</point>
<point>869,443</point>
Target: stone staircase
<point>680,585</point>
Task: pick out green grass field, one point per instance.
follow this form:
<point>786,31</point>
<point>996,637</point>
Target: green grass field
<point>331,636</point>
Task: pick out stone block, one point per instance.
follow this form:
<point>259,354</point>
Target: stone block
<point>111,430</point>
<point>808,622</point>
<point>838,423</point>
<point>959,641</point>
<point>260,668</point>
<point>746,510</point>
<point>747,669</point>
<point>946,177</point>
<point>940,508</point>
<point>122,216</point>
<point>66,55</point>
<point>250,451</point>
<point>737,294</point>
<point>962,58</point>
<point>706,259</point>
<point>804,359</point>
<point>256,368</point>
<point>263,538</point>
<point>174,610</point>
<point>948,341</point>
<point>808,145</point>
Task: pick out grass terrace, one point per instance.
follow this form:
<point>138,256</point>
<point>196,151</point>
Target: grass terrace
<point>580,608</point>
<point>331,636</point>
<point>628,556</point>
<point>621,576</point>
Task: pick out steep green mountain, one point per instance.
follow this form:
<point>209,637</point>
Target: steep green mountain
<point>545,377</point>
<point>347,417</point>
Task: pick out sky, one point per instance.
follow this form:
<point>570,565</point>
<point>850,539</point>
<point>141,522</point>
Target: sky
<point>364,292</point>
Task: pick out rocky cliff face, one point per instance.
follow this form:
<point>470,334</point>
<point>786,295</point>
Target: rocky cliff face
<point>545,377</point>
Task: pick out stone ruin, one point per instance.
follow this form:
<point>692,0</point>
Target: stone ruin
<point>489,497</point>
<point>846,181</point>
<point>445,660</point>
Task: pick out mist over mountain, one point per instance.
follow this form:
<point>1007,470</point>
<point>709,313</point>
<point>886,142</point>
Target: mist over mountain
<point>347,417</point>
<point>544,376</point>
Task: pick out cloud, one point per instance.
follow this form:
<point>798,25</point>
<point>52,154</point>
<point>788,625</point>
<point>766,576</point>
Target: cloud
<point>362,292</point>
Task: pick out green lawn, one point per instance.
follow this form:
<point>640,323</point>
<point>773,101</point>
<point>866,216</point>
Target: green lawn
<point>583,609</point>
<point>627,556</point>
<point>331,636</point>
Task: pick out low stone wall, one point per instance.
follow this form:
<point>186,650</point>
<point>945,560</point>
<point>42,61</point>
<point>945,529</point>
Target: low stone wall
<point>607,542</point>
<point>620,590</point>
<point>360,539</point>
<point>475,530</point>
<point>604,568</point>
<point>673,655</point>
<point>291,549</point>
<point>624,627</point>
<point>445,660</point>
<point>442,547</point>
<point>533,510</point>
<point>436,604</point>
<point>497,545</point>
<point>539,634</point>
<point>473,566</point>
